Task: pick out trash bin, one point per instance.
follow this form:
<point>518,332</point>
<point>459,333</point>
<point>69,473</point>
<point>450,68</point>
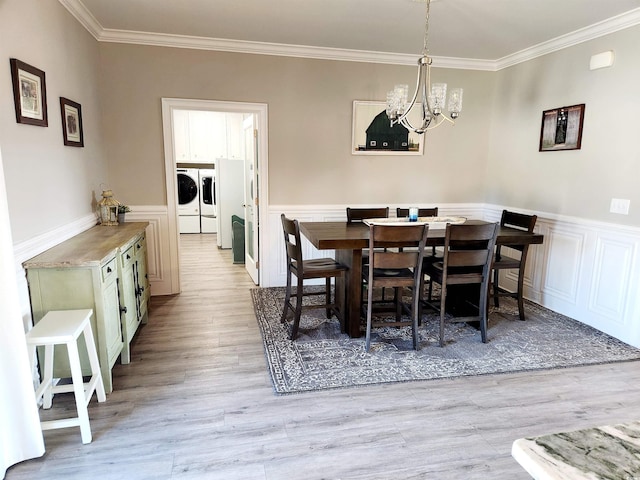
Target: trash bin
<point>237,238</point>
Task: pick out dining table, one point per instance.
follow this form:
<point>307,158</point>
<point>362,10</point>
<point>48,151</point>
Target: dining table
<point>350,239</point>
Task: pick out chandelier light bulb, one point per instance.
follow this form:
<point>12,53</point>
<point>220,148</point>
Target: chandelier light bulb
<point>431,99</point>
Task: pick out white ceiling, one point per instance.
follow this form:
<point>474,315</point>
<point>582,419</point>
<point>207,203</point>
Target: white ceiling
<point>489,32</point>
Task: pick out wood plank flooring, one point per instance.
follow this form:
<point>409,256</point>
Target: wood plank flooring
<point>196,402</point>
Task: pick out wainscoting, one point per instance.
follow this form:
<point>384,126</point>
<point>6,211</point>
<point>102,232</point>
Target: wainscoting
<point>587,270</point>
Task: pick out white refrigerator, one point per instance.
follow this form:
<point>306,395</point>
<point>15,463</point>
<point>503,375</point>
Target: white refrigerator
<point>229,194</point>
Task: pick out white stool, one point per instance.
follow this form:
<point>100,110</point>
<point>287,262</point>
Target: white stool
<point>64,327</point>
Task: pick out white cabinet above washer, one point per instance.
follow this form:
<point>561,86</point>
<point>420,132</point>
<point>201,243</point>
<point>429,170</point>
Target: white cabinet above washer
<point>202,136</point>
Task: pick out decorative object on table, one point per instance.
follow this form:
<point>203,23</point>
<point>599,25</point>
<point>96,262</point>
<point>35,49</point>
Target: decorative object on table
<point>108,209</point>
<point>324,358</point>
<point>71,113</point>
<point>122,209</point>
<point>29,93</point>
<point>372,134</point>
<point>562,128</point>
<point>432,97</point>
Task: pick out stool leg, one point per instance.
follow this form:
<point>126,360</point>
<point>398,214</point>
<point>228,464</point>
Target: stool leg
<point>78,390</point>
<point>96,376</point>
<point>48,376</point>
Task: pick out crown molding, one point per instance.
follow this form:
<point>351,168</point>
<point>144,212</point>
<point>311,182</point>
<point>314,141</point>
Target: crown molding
<point>279,49</point>
<point>611,25</point>
<point>84,16</point>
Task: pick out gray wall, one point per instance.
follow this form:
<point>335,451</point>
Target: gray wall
<point>48,184</point>
<point>310,107</point>
<point>582,182</point>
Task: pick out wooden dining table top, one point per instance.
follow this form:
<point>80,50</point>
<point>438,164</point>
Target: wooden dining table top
<point>355,236</point>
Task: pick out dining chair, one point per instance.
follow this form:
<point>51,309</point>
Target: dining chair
<point>357,215</point>
<point>326,268</point>
<point>395,268</point>
<point>501,261</point>
<point>422,212</point>
<point>435,253</point>
<point>468,251</point>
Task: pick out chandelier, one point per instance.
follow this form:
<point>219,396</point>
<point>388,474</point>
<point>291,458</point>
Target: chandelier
<point>432,97</point>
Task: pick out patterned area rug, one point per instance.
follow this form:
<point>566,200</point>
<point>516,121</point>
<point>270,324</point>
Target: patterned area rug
<point>323,358</point>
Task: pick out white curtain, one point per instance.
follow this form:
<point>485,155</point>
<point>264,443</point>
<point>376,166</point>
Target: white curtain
<point>20,433</point>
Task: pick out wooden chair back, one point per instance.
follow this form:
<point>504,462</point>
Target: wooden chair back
<point>383,258</point>
<point>357,215</point>
<point>520,221</point>
<point>468,252</point>
<point>292,242</point>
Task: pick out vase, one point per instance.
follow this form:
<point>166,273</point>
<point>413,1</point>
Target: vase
<point>121,218</point>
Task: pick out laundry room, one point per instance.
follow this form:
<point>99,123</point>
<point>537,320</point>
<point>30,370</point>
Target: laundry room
<point>209,154</point>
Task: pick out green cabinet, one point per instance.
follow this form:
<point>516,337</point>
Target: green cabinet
<point>98,269</point>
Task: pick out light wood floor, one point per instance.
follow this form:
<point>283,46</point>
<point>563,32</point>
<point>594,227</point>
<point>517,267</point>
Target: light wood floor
<point>196,402</point>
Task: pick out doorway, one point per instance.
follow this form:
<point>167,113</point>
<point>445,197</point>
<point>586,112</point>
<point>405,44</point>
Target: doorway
<point>258,172</point>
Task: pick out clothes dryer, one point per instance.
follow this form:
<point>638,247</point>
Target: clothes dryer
<point>208,222</point>
<point>188,200</point>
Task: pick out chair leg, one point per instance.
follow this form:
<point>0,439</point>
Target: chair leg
<point>415,314</point>
<point>397,298</point>
<point>496,277</point>
<point>369,308</point>
<point>520,293</point>
<point>327,296</point>
<point>483,310</point>
<point>298,310</point>
<point>339,296</point>
<point>443,298</point>
<point>287,298</point>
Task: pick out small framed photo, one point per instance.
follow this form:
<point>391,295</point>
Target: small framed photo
<point>562,128</point>
<point>372,133</point>
<point>29,93</point>
<point>71,123</point>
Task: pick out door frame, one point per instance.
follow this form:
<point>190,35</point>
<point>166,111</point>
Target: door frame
<point>261,115</point>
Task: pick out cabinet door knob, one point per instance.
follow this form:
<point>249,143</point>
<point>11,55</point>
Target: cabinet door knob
<point>123,309</point>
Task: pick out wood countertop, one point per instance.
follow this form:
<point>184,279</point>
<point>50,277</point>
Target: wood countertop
<point>89,248</point>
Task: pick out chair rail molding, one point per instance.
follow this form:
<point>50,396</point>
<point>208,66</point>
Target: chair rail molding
<point>585,269</point>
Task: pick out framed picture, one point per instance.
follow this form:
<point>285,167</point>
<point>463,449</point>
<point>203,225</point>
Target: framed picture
<point>562,128</point>
<point>71,123</point>
<point>372,133</point>
<point>29,93</point>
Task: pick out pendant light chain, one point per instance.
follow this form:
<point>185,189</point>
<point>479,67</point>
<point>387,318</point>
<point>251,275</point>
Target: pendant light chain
<point>425,48</point>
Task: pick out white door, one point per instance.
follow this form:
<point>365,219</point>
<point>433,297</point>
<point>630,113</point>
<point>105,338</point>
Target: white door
<point>251,204</point>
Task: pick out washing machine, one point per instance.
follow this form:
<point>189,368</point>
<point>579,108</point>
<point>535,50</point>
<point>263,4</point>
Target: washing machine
<point>188,200</point>
<point>208,222</point>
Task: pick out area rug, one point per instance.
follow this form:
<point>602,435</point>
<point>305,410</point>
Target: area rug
<point>324,358</point>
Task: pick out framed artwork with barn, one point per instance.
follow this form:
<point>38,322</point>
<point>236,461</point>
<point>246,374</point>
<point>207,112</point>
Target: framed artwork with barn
<point>372,133</point>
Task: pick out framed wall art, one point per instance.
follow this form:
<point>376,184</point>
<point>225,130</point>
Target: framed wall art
<point>372,133</point>
<point>71,123</point>
<point>562,128</point>
<point>29,93</point>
